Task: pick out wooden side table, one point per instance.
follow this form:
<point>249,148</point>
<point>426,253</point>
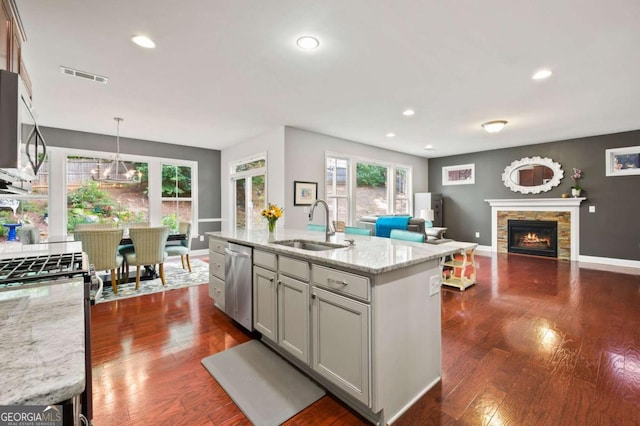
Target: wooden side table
<point>459,269</point>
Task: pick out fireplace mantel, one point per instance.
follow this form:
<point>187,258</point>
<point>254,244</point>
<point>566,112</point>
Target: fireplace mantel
<point>571,205</point>
<point>517,203</point>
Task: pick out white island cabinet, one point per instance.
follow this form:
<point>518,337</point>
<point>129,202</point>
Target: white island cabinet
<point>360,320</point>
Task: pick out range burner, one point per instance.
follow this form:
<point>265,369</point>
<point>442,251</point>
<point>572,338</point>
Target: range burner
<point>21,270</point>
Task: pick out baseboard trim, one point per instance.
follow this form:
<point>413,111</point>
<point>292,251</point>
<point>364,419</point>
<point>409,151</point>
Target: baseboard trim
<point>484,249</point>
<point>201,252</point>
<point>610,261</point>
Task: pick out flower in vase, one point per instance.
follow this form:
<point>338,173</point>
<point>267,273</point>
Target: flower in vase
<point>272,213</point>
<point>576,176</point>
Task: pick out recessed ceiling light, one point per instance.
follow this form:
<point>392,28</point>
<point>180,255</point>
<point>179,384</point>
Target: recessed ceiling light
<point>494,126</point>
<point>429,147</point>
<point>391,135</point>
<point>308,42</point>
<point>541,74</point>
<point>408,112</point>
<point>143,41</point>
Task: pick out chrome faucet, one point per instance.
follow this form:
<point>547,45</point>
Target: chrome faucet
<point>329,230</point>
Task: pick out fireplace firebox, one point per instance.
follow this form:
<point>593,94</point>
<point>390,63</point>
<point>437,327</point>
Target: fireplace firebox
<point>535,237</point>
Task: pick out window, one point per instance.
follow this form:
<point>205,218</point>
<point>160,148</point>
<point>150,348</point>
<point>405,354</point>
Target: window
<point>28,210</point>
<point>337,188</point>
<point>176,195</point>
<point>377,188</point>
<point>90,200</point>
<point>249,184</point>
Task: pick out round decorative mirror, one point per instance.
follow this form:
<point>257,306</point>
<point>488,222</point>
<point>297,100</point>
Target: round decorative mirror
<point>532,175</point>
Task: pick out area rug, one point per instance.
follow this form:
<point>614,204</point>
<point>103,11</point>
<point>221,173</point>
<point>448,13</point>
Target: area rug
<point>175,276</point>
<point>266,388</point>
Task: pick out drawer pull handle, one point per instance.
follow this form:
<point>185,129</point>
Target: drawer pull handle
<point>334,281</point>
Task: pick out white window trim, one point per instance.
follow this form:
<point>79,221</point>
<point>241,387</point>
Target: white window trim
<point>234,176</point>
<point>58,178</point>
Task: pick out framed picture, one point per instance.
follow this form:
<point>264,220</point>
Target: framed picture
<point>623,161</point>
<point>304,193</point>
<point>464,174</point>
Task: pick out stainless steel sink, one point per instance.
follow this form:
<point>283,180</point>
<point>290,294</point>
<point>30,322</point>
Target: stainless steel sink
<point>310,245</point>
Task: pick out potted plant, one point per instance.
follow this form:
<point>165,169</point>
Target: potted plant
<point>576,176</point>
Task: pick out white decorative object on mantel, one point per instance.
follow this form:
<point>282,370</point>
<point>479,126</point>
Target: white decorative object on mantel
<point>511,183</point>
<point>571,205</point>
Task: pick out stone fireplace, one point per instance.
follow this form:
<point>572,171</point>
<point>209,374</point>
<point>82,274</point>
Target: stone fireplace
<point>565,212</point>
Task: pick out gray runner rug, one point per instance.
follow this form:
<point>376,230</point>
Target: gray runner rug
<point>266,388</point>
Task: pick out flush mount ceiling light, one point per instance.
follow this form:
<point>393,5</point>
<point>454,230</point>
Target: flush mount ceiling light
<point>308,42</point>
<point>429,147</point>
<point>408,112</point>
<point>494,126</point>
<point>541,74</point>
<point>115,172</point>
<point>391,135</point>
<point>143,41</point>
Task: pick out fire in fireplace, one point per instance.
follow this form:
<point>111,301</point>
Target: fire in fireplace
<point>536,237</point>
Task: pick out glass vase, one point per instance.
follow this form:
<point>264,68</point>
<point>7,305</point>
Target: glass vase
<point>272,226</point>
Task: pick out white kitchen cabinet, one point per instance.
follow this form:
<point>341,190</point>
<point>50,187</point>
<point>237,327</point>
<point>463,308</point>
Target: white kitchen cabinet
<point>281,302</point>
<point>341,342</point>
<point>216,272</point>
<point>293,317</point>
<point>265,302</point>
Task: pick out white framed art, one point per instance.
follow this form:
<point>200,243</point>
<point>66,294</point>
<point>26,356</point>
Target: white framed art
<point>464,174</point>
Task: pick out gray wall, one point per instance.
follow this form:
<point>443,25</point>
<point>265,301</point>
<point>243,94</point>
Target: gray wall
<point>612,231</point>
<point>208,165</point>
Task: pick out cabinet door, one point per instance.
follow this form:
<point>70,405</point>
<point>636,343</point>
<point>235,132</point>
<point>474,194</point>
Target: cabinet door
<point>264,302</point>
<point>216,291</point>
<point>293,317</point>
<point>340,333</point>
<point>5,36</point>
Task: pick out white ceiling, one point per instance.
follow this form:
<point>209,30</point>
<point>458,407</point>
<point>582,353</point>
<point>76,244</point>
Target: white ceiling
<point>227,70</point>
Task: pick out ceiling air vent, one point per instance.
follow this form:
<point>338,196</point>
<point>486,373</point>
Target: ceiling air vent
<point>83,74</point>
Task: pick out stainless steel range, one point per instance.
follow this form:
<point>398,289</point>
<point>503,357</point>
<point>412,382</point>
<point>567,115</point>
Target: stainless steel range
<point>48,264</point>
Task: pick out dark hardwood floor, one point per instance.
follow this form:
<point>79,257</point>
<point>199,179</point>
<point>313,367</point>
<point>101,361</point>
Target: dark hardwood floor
<point>535,342</point>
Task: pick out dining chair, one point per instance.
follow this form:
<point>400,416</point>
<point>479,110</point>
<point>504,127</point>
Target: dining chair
<point>314,227</point>
<point>357,231</point>
<point>101,247</point>
<point>400,234</point>
<point>105,225</point>
<point>184,247</point>
<point>148,245</point>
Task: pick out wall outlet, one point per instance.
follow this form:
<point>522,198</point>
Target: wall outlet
<point>201,237</point>
<point>477,235</point>
<point>434,285</point>
<point>592,209</point>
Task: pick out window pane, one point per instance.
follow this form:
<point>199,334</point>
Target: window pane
<point>371,190</point>
<point>250,165</point>
<point>337,175</point>
<point>91,200</point>
<point>401,204</point>
<point>174,212</point>
<point>241,217</point>
<point>257,201</point>
<point>176,181</point>
<point>339,209</point>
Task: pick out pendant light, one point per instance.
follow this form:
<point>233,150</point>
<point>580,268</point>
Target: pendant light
<point>115,172</point>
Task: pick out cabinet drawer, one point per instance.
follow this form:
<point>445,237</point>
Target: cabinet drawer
<point>264,259</point>
<point>216,291</point>
<point>216,264</point>
<point>345,282</point>
<point>294,268</point>
<point>217,245</point>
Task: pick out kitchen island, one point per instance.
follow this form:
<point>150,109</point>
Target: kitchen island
<point>362,319</point>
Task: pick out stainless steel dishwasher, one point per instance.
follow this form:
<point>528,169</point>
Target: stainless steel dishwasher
<point>238,289</point>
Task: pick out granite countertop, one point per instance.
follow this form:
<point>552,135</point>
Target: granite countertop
<point>42,334</point>
<point>371,255</point>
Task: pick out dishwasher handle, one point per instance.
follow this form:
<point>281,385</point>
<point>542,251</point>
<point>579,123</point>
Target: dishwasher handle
<point>237,253</point>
